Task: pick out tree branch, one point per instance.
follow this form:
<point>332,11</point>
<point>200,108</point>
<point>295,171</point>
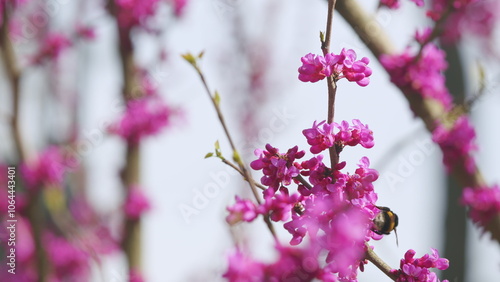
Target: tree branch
<point>332,85</point>
<point>131,243</point>
<point>215,99</point>
<point>9,60</point>
<point>371,256</point>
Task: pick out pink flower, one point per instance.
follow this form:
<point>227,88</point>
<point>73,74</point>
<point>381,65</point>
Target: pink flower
<point>136,203</point>
<point>423,76</point>
<point>179,6</point>
<point>420,3</point>
<point>439,7</point>
<point>391,4</point>
<point>360,183</point>
<point>278,169</point>
<point>47,169</point>
<point>279,205</point>
<point>243,269</point>
<point>418,269</point>
<point>457,143</point>
<point>313,68</point>
<point>353,135</point>
<point>144,117</point>
<point>357,71</point>
<point>320,136</point>
<point>68,260</point>
<point>335,226</point>
<point>242,210</point>
<point>132,13</point>
<point>395,4</point>
<point>477,19</point>
<point>483,203</point>
<point>345,242</point>
<point>293,263</point>
<point>320,176</point>
<point>422,36</point>
<point>135,275</point>
<point>85,32</point>
<point>344,65</point>
<point>51,47</point>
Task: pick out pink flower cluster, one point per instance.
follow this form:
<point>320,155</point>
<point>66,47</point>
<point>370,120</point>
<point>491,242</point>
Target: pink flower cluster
<point>394,4</point>
<point>135,276</point>
<point>418,269</point>
<point>144,117</point>
<point>68,260</point>
<point>242,210</point>
<point>278,169</point>
<point>51,47</point>
<point>483,203</point>
<point>179,6</point>
<point>342,244</point>
<point>333,188</point>
<point>278,206</point>
<point>439,8</point>
<point>47,169</point>
<point>477,19</point>
<point>69,257</point>
<point>132,13</point>
<point>423,35</point>
<point>293,264</point>
<point>457,143</point>
<point>136,203</point>
<point>85,32</point>
<point>336,210</point>
<point>322,137</point>
<point>391,4</point>
<point>423,75</point>
<point>344,65</point>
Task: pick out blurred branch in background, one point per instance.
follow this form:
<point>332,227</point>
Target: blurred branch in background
<point>454,235</point>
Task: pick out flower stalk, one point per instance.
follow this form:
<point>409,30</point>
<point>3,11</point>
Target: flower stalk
<point>215,99</point>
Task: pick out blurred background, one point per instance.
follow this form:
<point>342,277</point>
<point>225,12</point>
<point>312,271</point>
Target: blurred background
<point>252,53</point>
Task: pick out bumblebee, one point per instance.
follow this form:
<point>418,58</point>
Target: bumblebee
<point>385,222</point>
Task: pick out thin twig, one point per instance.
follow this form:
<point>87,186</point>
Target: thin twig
<point>241,164</point>
<point>436,30</point>
<point>378,262</point>
<point>233,166</point>
<point>303,181</point>
<point>332,85</point>
<point>325,45</point>
<point>332,92</point>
